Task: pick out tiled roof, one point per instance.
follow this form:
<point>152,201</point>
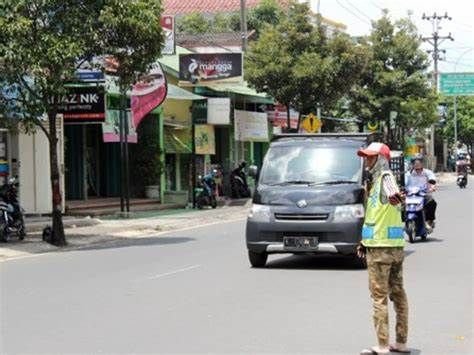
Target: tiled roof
<point>178,7</point>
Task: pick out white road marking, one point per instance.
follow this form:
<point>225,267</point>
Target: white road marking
<point>174,272</point>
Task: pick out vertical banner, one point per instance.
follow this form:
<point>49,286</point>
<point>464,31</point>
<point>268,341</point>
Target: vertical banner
<point>205,139</point>
<point>250,126</point>
<point>111,127</point>
<point>148,93</point>
<point>167,24</point>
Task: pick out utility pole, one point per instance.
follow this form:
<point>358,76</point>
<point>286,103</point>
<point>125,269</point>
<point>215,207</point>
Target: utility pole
<point>243,25</point>
<point>435,40</point>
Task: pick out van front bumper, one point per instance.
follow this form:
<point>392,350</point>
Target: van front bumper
<point>334,238</point>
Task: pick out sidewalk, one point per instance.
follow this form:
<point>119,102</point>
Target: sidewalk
<point>88,233</point>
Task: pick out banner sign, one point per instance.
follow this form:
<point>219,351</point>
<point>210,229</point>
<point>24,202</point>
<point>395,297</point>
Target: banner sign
<point>205,139</point>
<point>83,104</point>
<point>250,126</point>
<point>111,127</point>
<point>277,115</point>
<point>148,93</point>
<point>167,24</point>
<point>218,111</point>
<point>209,68</point>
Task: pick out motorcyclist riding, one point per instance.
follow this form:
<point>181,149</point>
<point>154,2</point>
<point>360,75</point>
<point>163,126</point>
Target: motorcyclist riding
<point>424,179</point>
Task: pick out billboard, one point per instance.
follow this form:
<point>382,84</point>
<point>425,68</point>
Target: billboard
<point>251,126</point>
<point>205,139</point>
<point>210,68</point>
<point>83,104</point>
<point>218,111</point>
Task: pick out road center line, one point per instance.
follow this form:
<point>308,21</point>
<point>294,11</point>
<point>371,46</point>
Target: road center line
<point>174,272</point>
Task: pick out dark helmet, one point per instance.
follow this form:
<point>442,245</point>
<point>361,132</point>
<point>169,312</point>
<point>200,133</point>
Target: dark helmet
<point>243,164</point>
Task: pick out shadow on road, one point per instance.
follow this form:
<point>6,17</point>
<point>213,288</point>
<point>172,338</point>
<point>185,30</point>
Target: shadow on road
<point>316,262</point>
<point>136,242</point>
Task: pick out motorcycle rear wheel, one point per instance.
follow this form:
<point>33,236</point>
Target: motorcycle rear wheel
<point>411,231</point>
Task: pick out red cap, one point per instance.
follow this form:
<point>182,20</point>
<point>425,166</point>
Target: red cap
<point>375,149</point>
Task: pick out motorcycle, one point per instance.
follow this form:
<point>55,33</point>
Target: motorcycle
<point>415,215</point>
<point>12,221</point>
<point>238,183</point>
<point>462,169</point>
<point>202,196</point>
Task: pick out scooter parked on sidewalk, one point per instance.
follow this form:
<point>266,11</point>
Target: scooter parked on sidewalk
<point>414,214</point>
<point>12,221</point>
<point>238,182</point>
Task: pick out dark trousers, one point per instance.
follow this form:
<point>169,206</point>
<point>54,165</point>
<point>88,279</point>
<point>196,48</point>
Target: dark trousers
<point>430,210</point>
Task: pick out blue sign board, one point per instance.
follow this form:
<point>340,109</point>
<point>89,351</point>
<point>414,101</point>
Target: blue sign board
<point>90,75</point>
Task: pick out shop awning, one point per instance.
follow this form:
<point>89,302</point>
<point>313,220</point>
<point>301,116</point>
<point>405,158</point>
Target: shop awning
<point>177,141</point>
<point>176,93</point>
<point>244,90</point>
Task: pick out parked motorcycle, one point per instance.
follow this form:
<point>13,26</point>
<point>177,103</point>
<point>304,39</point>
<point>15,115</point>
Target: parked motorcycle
<point>12,221</point>
<point>415,215</point>
<point>238,182</point>
<point>202,196</point>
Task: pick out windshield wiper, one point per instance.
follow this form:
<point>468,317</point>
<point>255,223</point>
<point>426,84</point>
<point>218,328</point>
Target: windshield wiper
<point>334,182</point>
<point>292,182</point>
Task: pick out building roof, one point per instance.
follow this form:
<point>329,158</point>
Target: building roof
<point>179,7</point>
<point>230,39</point>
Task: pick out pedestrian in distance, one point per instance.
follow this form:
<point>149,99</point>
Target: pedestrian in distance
<point>382,245</point>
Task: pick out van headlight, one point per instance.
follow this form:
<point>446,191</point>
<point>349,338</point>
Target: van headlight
<point>348,212</point>
<point>260,213</point>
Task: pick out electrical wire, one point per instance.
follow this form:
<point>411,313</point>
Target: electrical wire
<point>353,13</point>
<point>360,12</point>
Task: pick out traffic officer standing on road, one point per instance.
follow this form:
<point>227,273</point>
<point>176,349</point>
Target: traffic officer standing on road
<point>382,245</point>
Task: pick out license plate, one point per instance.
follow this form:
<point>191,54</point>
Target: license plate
<point>300,243</point>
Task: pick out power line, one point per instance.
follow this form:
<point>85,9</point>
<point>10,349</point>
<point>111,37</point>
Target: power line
<point>353,13</point>
<point>360,12</point>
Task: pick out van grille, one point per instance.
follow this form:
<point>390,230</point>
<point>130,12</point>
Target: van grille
<point>301,216</point>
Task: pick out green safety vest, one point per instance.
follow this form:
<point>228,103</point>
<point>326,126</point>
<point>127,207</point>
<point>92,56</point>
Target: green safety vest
<point>383,226</point>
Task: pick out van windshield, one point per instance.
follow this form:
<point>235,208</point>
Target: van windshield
<point>307,164</point>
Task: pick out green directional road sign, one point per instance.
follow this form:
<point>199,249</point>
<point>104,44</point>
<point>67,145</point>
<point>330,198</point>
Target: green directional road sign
<point>456,84</point>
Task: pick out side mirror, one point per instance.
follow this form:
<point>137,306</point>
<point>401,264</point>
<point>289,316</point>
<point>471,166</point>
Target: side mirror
<point>253,171</point>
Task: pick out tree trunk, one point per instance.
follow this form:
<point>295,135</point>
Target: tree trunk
<point>288,119</point>
<point>58,237</point>
<point>299,122</point>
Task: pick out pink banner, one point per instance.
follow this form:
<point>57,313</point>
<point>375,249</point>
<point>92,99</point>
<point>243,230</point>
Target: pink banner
<point>148,94</point>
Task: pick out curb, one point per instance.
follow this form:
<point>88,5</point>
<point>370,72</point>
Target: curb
<point>34,227</point>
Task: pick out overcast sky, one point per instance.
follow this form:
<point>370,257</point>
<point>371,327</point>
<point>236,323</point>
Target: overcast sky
<point>356,15</point>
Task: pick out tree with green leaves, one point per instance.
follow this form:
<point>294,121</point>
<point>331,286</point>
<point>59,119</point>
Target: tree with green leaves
<point>395,80</point>
<point>464,117</point>
<point>266,12</point>
<point>44,42</point>
<point>194,23</point>
<point>300,65</point>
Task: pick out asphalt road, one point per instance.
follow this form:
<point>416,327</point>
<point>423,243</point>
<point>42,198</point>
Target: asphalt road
<point>194,292</point>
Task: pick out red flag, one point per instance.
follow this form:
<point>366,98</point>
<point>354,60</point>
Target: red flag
<point>148,93</point>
